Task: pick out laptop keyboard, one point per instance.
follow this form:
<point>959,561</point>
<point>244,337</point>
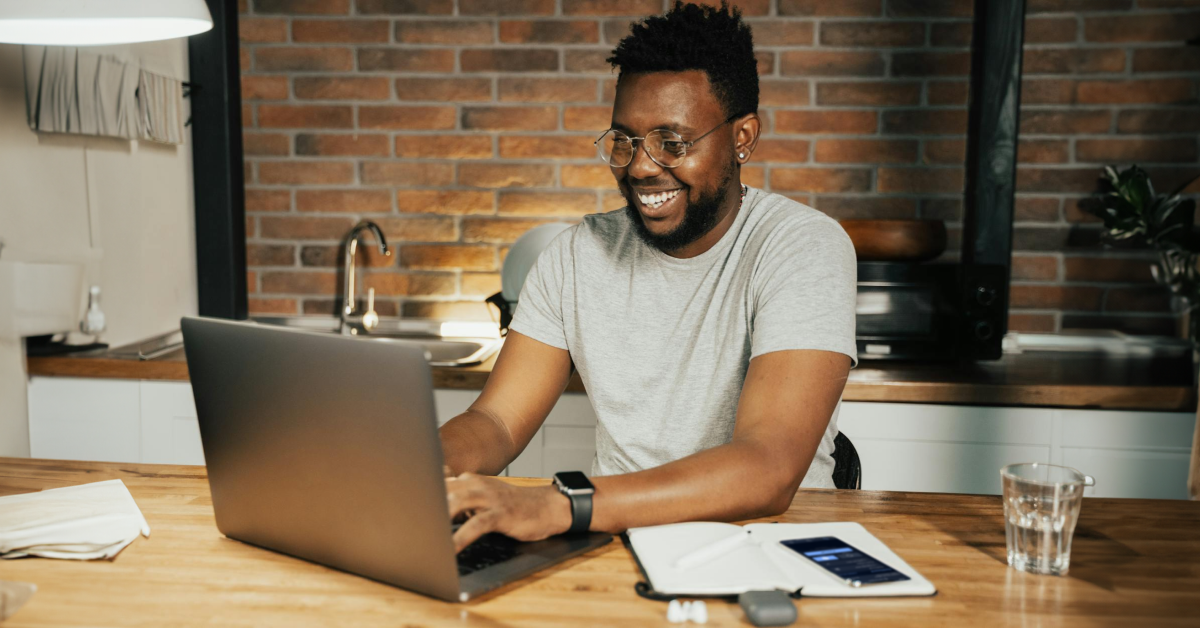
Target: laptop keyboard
<point>488,550</point>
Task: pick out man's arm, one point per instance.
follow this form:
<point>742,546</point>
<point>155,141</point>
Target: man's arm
<point>526,382</point>
<point>784,409</point>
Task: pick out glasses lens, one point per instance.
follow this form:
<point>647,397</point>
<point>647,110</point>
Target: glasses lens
<point>666,147</point>
<point>616,148</point>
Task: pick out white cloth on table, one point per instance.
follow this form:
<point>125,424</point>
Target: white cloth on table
<point>83,522</point>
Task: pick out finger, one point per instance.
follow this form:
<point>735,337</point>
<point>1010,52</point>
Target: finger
<point>474,528</point>
<point>447,471</point>
<point>465,495</point>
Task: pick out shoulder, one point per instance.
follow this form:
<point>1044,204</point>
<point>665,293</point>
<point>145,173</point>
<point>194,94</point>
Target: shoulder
<point>783,225</point>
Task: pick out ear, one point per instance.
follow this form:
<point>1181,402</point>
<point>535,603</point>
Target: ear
<point>746,130</point>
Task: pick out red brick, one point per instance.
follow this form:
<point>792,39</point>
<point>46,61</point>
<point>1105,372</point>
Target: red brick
<point>330,256</point>
<point>1073,61</point>
<point>305,228</point>
<point>244,59</point>
<point>1158,121</point>
<point>353,201</point>
<point>1034,268</point>
<point>547,147</point>
<point>930,8</point>
<point>444,146</point>
<point>450,32</point>
<point>340,31</point>
<point>406,59</point>
<point>950,34</point>
<point>765,62</point>
<point>868,93</point>
<point>521,89</point>
<point>1057,180</point>
<point>1140,299</point>
<point>1146,27</point>
<point>480,284</point>
<point>409,284</point>
<point>1136,150</point>
<point>1162,325</point>
<point>931,64</point>
<point>343,144</point>
<point>826,63</point>
<point>948,92</point>
<point>444,202</point>
<point>510,118</point>
<point>449,310</point>
<point>783,93</point>
<point>1031,323</point>
<point>258,144</point>
<point>920,180</point>
<point>506,7</point>
<point>303,59</point>
<point>268,200</point>
<point>444,89</point>
<point>264,88</point>
<point>498,231</point>
<point>609,201</point>
<point>509,60</point>
<point>437,256</point>
<point>1074,210</point>
<point>393,117</point>
<point>587,62</point>
<point>945,151</point>
<point>872,34</point>
<point>409,229</point>
<point>598,176</point>
<point>1043,151</point>
<point>306,172</point>
<point>754,176</point>
<point>1036,208</point>
<point>342,88</point>
<point>305,116</point>
<point>406,173</point>
<point>825,121</point>
<point>1059,122</point>
<point>547,203</point>
<point>867,207</point>
<point>1072,6</point>
<point>1161,91</point>
<point>1047,91</point>
<point>1174,59</point>
<point>251,227</point>
<point>821,180</point>
<point>921,121</point>
<point>777,32</point>
<point>592,119</point>
<point>948,210</point>
<point>1055,297</point>
<point>779,150</point>
<point>611,7</point>
<point>866,151</point>
<point>505,175</point>
<point>303,7</point>
<point>262,30</point>
<point>1051,30</point>
<point>836,8</point>
<point>548,32</point>
<point>258,305</point>
<point>297,282</point>
<point>1114,270</point>
<point>405,7</point>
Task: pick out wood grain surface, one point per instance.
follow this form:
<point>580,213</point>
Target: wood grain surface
<point>1134,563</point>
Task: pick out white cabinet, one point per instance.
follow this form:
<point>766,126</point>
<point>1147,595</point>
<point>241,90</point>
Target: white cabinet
<point>84,419</point>
<point>170,430</point>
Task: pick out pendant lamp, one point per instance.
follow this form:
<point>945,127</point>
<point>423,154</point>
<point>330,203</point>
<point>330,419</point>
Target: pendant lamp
<point>100,22</point>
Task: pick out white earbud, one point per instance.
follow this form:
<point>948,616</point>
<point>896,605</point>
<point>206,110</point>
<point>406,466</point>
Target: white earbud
<point>698,612</point>
<point>675,612</point>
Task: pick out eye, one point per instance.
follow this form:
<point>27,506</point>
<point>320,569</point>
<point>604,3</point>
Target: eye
<point>673,146</point>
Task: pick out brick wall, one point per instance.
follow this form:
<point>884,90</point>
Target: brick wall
<point>459,124</point>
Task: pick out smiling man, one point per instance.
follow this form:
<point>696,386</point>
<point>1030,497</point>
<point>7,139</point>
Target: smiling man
<point>712,323</point>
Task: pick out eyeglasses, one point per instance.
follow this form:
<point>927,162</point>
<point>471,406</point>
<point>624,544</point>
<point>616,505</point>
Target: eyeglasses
<point>667,148</point>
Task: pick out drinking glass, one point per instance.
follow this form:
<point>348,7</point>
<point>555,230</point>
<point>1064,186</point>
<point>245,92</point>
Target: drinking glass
<point>1041,506</point>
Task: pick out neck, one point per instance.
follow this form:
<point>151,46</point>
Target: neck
<point>730,205</point>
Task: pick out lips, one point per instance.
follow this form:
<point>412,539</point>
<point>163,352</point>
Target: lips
<point>659,203</point>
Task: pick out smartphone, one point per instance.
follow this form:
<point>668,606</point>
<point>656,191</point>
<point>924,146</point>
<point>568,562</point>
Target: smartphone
<point>846,562</point>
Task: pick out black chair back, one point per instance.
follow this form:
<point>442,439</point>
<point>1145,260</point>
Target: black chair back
<point>847,469</point>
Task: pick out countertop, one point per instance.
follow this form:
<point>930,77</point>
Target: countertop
<point>1133,562</point>
<point>1066,379</point>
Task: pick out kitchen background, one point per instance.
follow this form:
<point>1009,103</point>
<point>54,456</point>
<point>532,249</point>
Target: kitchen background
<point>460,124</point>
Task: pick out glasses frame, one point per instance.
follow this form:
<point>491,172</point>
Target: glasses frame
<point>637,142</point>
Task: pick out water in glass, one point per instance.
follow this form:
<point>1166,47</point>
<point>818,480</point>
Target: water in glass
<point>1041,506</point>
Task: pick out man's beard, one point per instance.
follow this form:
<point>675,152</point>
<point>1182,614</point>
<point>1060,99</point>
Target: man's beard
<point>698,219</point>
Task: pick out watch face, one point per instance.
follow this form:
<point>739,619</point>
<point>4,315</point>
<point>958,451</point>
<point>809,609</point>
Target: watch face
<point>573,480</point>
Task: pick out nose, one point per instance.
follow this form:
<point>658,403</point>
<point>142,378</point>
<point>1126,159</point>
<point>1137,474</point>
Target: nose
<point>642,167</point>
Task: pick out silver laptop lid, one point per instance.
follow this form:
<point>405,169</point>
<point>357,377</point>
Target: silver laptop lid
<point>325,448</point>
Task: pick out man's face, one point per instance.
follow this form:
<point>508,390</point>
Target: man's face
<point>682,102</point>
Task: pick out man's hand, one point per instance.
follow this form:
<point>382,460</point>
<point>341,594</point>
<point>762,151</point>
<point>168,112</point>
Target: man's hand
<point>523,513</point>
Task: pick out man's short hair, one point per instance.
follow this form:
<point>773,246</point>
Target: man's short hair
<point>696,37</point>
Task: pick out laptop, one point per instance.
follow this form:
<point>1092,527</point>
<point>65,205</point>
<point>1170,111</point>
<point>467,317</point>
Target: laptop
<point>326,448</point>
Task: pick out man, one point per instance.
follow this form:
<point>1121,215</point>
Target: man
<point>712,324</point>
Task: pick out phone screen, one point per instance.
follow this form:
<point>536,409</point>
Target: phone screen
<point>844,561</point>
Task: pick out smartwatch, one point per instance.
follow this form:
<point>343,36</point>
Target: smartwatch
<point>579,489</point>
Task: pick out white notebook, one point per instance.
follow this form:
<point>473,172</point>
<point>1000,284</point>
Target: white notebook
<point>760,562</point>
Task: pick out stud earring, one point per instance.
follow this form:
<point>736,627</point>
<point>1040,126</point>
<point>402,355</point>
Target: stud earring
<point>741,155</point>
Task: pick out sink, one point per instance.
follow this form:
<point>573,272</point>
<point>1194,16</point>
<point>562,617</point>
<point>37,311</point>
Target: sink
<point>445,343</point>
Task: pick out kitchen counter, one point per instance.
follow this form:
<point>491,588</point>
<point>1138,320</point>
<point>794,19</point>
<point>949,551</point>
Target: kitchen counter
<point>1132,563</point>
<point>1065,379</point>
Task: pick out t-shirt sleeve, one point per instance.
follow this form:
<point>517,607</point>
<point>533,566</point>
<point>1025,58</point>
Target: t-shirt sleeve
<point>539,312</point>
<point>806,291</point>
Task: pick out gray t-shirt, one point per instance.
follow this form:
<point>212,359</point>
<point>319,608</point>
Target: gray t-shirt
<point>663,344</point>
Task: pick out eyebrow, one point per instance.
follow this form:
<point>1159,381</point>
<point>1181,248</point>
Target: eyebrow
<point>681,129</point>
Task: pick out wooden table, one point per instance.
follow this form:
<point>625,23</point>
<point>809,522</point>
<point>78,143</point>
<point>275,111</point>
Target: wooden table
<point>1135,563</point>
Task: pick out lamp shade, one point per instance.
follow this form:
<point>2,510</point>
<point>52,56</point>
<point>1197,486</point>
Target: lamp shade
<point>100,22</point>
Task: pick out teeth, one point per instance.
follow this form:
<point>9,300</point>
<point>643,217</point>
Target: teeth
<point>655,200</point>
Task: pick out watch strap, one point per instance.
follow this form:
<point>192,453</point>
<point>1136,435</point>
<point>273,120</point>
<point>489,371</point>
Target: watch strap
<point>581,513</point>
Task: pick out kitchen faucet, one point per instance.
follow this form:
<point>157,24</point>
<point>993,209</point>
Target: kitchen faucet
<point>369,320</point>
